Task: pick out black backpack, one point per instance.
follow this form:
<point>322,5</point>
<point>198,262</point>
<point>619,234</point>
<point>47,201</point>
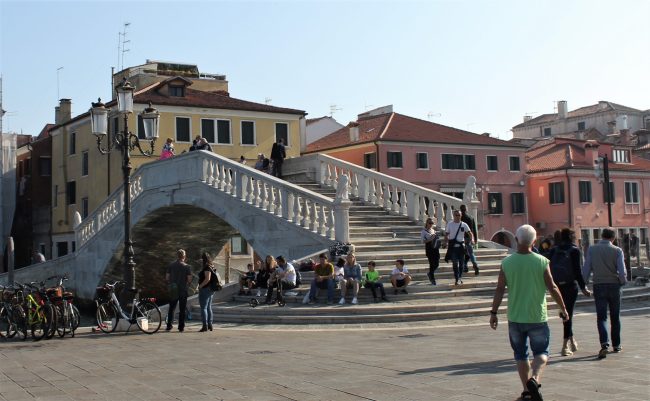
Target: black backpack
<point>215,285</point>
<point>298,278</point>
<point>561,265</point>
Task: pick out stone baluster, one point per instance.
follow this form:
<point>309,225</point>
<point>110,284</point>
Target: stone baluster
<point>395,199</point>
<point>373,192</point>
<point>328,179</point>
<point>271,203</point>
<point>284,203</point>
<point>330,224</point>
<point>289,205</point>
<point>210,177</point>
<point>404,203</point>
<point>322,173</point>
<point>386,196</point>
<point>354,182</point>
<point>363,187</point>
<point>342,220</point>
<point>313,224</point>
<point>256,192</point>
<point>440,212</point>
<point>296,209</point>
<point>222,177</point>
<point>335,177</point>
<point>321,220</point>
<point>239,190</point>
<point>305,214</point>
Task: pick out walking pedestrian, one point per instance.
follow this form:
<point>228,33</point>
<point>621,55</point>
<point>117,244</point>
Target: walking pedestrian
<point>278,154</point>
<point>469,241</point>
<point>455,236</point>
<point>431,248</point>
<point>527,276</point>
<point>566,270</point>
<point>205,292</point>
<point>178,276</point>
<point>605,261</point>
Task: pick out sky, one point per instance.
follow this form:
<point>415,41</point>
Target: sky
<point>471,64</point>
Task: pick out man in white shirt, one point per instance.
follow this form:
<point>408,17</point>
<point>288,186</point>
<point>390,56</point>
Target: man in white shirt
<point>284,278</point>
<point>455,236</point>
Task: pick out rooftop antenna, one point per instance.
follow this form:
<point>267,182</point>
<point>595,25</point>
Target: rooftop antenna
<point>267,100</point>
<point>121,49</point>
<point>334,109</point>
<point>367,106</point>
<point>432,114</point>
<point>58,95</point>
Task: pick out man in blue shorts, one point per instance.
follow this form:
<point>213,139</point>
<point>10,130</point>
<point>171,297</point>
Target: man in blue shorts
<point>527,276</point>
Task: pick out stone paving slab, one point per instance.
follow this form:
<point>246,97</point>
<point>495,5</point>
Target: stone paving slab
<point>460,359</point>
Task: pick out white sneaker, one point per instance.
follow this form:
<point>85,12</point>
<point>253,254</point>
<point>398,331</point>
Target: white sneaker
<point>259,293</point>
<point>354,301</point>
<point>342,301</point>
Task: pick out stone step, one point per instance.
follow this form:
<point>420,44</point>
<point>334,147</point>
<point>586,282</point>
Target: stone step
<point>419,271</point>
<point>385,312</point>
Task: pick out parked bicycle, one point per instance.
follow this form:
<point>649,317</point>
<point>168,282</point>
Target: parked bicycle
<point>144,311</point>
<point>67,315</point>
<point>12,314</point>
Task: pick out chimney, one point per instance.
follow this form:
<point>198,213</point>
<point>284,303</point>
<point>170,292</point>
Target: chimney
<point>527,118</point>
<point>562,108</point>
<point>63,112</point>
<point>626,137</point>
<point>591,151</point>
<point>611,127</point>
<point>354,131</point>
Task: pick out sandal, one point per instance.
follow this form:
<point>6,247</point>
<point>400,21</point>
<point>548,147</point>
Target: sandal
<point>533,388</point>
<point>526,396</point>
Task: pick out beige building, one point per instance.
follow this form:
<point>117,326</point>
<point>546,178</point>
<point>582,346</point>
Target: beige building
<point>190,104</point>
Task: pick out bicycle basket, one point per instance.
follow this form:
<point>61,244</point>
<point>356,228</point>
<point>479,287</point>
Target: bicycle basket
<point>56,292</point>
<point>68,295</point>
<point>102,294</point>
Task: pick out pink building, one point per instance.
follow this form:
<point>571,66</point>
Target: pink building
<point>439,158</point>
<point>564,191</point>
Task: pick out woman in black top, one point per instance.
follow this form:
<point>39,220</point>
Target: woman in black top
<point>205,292</point>
<point>567,270</point>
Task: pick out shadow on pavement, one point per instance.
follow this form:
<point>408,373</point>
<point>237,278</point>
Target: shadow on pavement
<point>489,367</point>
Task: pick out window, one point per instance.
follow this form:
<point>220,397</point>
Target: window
<point>584,189</point>
<point>73,143</point>
<point>182,129</point>
<point>422,161</point>
<point>394,159</point>
<point>495,203</point>
<point>223,132</point>
<point>514,163</point>
<point>207,129</point>
<point>55,199</point>
<point>370,160</point>
<point>141,134</point>
<point>596,232</point>
<point>238,245</point>
<point>61,248</point>
<point>518,202</point>
<point>248,132</point>
<point>621,156</point>
<point>45,166</point>
<point>492,163</point>
<point>282,132</point>
<point>643,233</point>
<point>71,193</point>
<point>41,248</point>
<point>28,167</point>
<point>458,162</point>
<point>177,91</point>
<point>556,193</point>
<point>612,192</point>
<point>547,131</point>
<point>581,126</point>
<point>631,192</point>
<point>84,163</point>
<point>84,207</point>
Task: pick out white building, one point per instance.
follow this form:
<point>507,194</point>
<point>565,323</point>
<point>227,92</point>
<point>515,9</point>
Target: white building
<point>320,127</point>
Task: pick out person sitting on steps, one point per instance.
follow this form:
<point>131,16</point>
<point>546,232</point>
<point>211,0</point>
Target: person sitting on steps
<point>400,277</point>
<point>372,278</point>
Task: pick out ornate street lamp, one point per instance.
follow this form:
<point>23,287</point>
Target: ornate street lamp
<point>125,141</point>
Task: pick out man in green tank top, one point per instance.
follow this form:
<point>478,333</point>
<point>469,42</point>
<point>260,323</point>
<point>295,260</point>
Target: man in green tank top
<point>527,276</point>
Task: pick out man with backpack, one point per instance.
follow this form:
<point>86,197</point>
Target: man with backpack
<point>566,271</point>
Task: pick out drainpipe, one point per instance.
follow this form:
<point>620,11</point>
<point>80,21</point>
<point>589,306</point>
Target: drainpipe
<point>377,156</point>
<point>566,171</point>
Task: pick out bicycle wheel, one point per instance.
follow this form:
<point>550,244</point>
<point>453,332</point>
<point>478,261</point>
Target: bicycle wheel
<point>37,323</point>
<point>149,311</point>
<point>7,327</point>
<point>61,320</point>
<point>75,319</point>
<point>20,321</point>
<point>50,312</point>
<point>107,317</point>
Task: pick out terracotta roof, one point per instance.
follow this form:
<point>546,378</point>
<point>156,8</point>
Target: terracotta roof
<point>213,100</point>
<point>580,112</point>
<point>570,153</point>
<point>400,128</point>
<point>45,132</point>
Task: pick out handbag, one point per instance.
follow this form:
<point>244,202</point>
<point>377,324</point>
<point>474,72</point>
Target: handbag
<point>451,243</point>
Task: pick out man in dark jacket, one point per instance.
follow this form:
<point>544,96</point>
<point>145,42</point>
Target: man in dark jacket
<point>278,154</point>
<point>467,219</point>
<point>179,277</point>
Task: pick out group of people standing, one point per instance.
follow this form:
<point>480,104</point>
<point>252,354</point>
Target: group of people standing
<point>273,165</point>
<point>528,275</point>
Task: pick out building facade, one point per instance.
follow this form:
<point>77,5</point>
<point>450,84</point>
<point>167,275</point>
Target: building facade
<point>441,158</point>
<point>606,117</point>
<point>82,177</point>
<point>565,192</point>
<point>320,127</point>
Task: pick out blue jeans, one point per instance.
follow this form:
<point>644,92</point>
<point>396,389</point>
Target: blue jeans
<point>315,285</point>
<point>470,253</point>
<point>205,301</point>
<point>458,261</point>
<point>608,296</point>
<point>538,334</point>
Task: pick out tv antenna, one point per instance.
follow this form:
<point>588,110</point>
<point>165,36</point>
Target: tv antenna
<point>268,100</point>
<point>334,109</point>
<point>432,114</point>
<point>58,95</point>
<point>121,46</point>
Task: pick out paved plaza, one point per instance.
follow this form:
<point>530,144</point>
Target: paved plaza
<point>444,360</point>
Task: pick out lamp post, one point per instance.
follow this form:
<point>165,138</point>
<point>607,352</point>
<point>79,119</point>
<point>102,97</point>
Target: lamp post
<point>601,166</point>
<point>125,141</point>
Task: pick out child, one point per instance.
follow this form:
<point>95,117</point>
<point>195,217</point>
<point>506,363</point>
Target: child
<point>167,150</point>
<point>339,271</point>
<point>247,280</point>
<point>372,278</point>
<point>400,277</point>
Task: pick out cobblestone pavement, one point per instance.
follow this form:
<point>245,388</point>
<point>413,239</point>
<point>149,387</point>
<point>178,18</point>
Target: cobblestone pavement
<point>445,360</point>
